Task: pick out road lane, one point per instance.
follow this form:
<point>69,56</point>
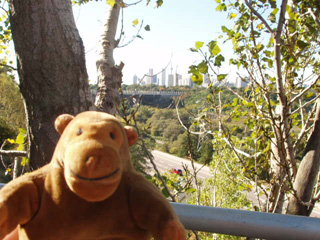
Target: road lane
<point>166,162</point>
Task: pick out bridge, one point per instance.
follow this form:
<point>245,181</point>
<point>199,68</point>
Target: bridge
<point>162,99</point>
<point>153,93</point>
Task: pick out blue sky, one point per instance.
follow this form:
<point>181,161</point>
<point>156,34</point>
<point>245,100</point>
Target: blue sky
<point>175,27</point>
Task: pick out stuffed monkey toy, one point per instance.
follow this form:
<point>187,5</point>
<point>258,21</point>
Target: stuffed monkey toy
<point>89,190</point>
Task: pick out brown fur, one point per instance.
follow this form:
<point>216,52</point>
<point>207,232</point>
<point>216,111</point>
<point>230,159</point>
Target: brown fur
<point>89,191</point>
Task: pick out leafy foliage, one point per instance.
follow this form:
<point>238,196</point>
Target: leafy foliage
<point>276,50</point>
<point>11,105</point>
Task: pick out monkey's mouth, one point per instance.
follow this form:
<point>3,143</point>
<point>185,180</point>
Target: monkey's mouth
<point>95,179</point>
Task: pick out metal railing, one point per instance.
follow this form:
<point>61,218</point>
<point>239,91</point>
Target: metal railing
<point>247,223</point>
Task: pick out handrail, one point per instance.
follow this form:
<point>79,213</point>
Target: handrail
<point>247,223</point>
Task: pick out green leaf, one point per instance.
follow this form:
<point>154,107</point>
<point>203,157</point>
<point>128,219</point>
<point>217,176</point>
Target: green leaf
<point>135,22</point>
<point>165,192</point>
<point>275,11</point>
<point>219,59</point>
<point>224,29</point>
<point>147,28</point>
<point>159,3</point>
<point>24,161</point>
<point>234,102</point>
<point>20,139</point>
<point>11,141</point>
<point>191,190</point>
<point>260,47</point>
<point>221,7</point>
<point>214,48</point>
<point>111,2</point>
<point>197,78</point>
<point>272,18</point>
<point>199,45</point>
<point>203,67</point>
<point>302,45</point>
<point>222,76</point>
<point>232,15</point>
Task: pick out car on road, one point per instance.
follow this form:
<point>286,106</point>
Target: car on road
<point>177,171</point>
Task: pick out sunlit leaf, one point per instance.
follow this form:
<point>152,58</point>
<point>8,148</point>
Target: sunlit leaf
<point>111,2</point>
<point>11,141</point>
<point>222,76</point>
<point>214,48</point>
<point>203,67</point>
<point>25,161</point>
<point>135,22</point>
<point>199,45</point>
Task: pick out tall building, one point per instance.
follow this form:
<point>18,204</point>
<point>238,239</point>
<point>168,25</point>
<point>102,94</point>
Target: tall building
<point>163,78</point>
<point>177,80</point>
<point>206,80</point>
<point>155,80</point>
<point>240,83</point>
<point>186,81</point>
<point>135,79</point>
<point>150,77</point>
<point>170,80</point>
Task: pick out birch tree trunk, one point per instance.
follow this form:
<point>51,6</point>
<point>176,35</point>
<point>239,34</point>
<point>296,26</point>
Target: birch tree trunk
<point>109,74</point>
<point>51,68</point>
<point>307,172</point>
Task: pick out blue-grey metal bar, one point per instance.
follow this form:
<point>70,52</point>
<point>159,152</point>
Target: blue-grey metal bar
<point>247,223</point>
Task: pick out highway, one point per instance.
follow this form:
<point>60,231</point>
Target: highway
<point>166,162</point>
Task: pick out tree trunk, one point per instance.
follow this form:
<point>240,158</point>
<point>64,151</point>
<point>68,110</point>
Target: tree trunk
<point>51,67</point>
<point>278,173</point>
<point>109,75</point>
<point>307,172</point>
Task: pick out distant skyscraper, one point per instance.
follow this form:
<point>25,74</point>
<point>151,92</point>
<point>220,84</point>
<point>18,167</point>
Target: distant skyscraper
<point>177,80</point>
<point>135,79</point>
<point>154,79</point>
<point>206,80</point>
<point>170,80</point>
<point>163,79</point>
<point>150,77</point>
<point>240,83</point>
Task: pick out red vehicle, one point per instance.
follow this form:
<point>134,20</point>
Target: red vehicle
<point>177,171</point>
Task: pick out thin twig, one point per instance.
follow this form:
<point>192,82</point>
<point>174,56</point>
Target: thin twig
<point>259,16</point>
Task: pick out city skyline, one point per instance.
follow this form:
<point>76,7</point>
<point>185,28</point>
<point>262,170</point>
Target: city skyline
<point>175,79</point>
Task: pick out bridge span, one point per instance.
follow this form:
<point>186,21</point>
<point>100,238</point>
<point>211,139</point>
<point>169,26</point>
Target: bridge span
<point>153,93</point>
<point>162,99</point>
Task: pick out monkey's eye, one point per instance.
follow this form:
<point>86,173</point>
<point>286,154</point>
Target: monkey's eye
<point>112,136</point>
<point>79,132</point>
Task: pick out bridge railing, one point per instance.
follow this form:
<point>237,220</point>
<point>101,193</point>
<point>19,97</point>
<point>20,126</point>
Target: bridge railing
<point>171,93</point>
<point>247,223</point>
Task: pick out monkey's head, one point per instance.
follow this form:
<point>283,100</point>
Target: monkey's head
<point>94,151</point>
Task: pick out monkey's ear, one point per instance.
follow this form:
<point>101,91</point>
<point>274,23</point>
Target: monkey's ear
<point>132,135</point>
<point>62,121</point>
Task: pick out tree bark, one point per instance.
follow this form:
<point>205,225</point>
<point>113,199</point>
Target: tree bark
<point>109,74</point>
<point>307,172</point>
<point>51,68</point>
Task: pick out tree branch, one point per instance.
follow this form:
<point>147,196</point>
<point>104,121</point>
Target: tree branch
<point>13,153</point>
<point>8,66</point>
<point>259,16</point>
<point>304,91</point>
<point>314,16</point>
